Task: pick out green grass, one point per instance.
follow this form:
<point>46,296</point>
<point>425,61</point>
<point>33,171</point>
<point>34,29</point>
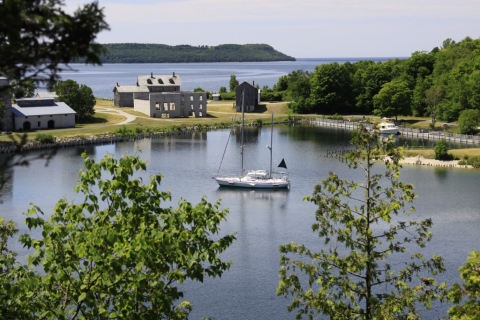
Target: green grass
<point>99,119</point>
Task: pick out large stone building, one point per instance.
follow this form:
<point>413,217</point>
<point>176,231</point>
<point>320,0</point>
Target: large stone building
<point>160,97</point>
<point>252,96</point>
<point>6,122</point>
<point>42,113</point>
<point>123,95</point>
<point>172,104</point>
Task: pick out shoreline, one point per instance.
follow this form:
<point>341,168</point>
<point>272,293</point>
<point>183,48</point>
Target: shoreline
<point>422,161</point>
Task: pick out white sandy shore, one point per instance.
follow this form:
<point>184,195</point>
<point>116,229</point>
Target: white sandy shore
<point>432,162</point>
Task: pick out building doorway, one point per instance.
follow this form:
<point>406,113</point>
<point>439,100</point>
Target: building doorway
<point>26,125</point>
<point>51,124</point>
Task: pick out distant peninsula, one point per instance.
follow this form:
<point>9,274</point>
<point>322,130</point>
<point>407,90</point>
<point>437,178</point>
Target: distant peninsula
<point>162,53</point>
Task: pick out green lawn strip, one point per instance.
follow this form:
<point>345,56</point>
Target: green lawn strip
<point>430,153</point>
<point>100,118</point>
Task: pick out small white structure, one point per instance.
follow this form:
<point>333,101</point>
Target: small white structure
<point>42,113</point>
<point>216,97</point>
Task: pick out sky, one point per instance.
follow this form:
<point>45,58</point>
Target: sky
<point>299,28</point>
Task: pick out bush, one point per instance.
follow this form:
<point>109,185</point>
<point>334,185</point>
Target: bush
<point>473,161</point>
<point>441,150</point>
<point>468,121</point>
<point>123,131</point>
<point>228,96</point>
<point>138,130</point>
<point>44,138</point>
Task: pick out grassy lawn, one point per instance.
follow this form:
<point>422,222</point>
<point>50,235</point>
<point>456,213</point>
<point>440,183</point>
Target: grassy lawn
<point>103,103</point>
<point>430,153</point>
<point>99,119</point>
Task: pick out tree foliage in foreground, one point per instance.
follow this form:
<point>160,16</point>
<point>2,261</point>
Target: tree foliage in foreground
<point>117,255</point>
<point>353,275</point>
<point>38,38</point>
<point>468,292</point>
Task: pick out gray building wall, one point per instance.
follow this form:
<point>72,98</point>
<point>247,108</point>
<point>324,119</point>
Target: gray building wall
<point>173,105</point>
<point>251,97</point>
<point>6,123</point>
<point>123,99</point>
<point>41,122</point>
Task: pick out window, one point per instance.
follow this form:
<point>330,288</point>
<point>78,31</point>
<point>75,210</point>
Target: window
<point>172,106</point>
<point>200,114</point>
<point>200,107</point>
<point>39,116</point>
<point>171,81</point>
<point>165,106</point>
<point>51,116</point>
<point>191,106</point>
<point>157,106</point>
<point>183,98</point>
<point>149,81</point>
<point>191,98</point>
<point>39,123</point>
<point>201,98</point>
<point>160,81</point>
<point>65,115</point>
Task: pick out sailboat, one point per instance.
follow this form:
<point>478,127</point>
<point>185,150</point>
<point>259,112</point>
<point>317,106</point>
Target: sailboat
<point>258,179</point>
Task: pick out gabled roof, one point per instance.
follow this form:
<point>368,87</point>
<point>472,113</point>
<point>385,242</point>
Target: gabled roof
<point>55,108</point>
<point>129,89</point>
<point>158,80</point>
<point>246,83</point>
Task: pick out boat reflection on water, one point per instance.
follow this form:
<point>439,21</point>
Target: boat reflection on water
<point>254,194</point>
<point>256,201</point>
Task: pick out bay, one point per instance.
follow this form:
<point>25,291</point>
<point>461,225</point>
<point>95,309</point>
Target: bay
<point>208,76</point>
<point>262,220</point>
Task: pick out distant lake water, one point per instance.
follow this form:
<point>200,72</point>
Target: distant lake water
<point>208,76</point>
<point>263,220</point>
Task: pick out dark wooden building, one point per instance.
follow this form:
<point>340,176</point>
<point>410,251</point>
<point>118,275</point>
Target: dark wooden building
<point>252,96</point>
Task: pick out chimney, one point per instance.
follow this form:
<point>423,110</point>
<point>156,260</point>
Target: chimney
<point>237,83</point>
<point>151,74</point>
<point>174,74</point>
<point>117,85</point>
<point>253,83</point>
<point>137,84</point>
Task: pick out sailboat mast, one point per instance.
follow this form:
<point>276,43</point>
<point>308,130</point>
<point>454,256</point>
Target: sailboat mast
<point>243,124</point>
<point>271,147</point>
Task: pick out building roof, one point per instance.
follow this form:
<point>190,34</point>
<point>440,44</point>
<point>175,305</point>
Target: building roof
<point>46,94</point>
<point>33,110</point>
<point>158,80</point>
<point>248,83</point>
<point>130,89</point>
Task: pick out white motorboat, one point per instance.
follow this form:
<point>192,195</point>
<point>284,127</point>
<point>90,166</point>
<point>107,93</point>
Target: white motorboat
<point>261,179</point>
<point>387,126</point>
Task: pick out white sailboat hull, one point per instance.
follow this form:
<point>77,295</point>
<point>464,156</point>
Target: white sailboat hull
<point>273,183</point>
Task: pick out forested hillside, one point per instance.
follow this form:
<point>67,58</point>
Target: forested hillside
<point>440,84</point>
<point>160,53</point>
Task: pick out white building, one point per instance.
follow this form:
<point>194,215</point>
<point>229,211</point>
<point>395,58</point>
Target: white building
<point>41,113</point>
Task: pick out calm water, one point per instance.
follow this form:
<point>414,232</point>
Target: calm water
<point>209,76</point>
<point>263,220</point>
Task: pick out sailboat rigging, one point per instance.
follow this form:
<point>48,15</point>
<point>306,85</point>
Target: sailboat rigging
<point>261,179</point>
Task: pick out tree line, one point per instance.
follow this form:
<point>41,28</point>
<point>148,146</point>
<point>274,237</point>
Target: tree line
<point>440,84</point>
<point>162,53</point>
